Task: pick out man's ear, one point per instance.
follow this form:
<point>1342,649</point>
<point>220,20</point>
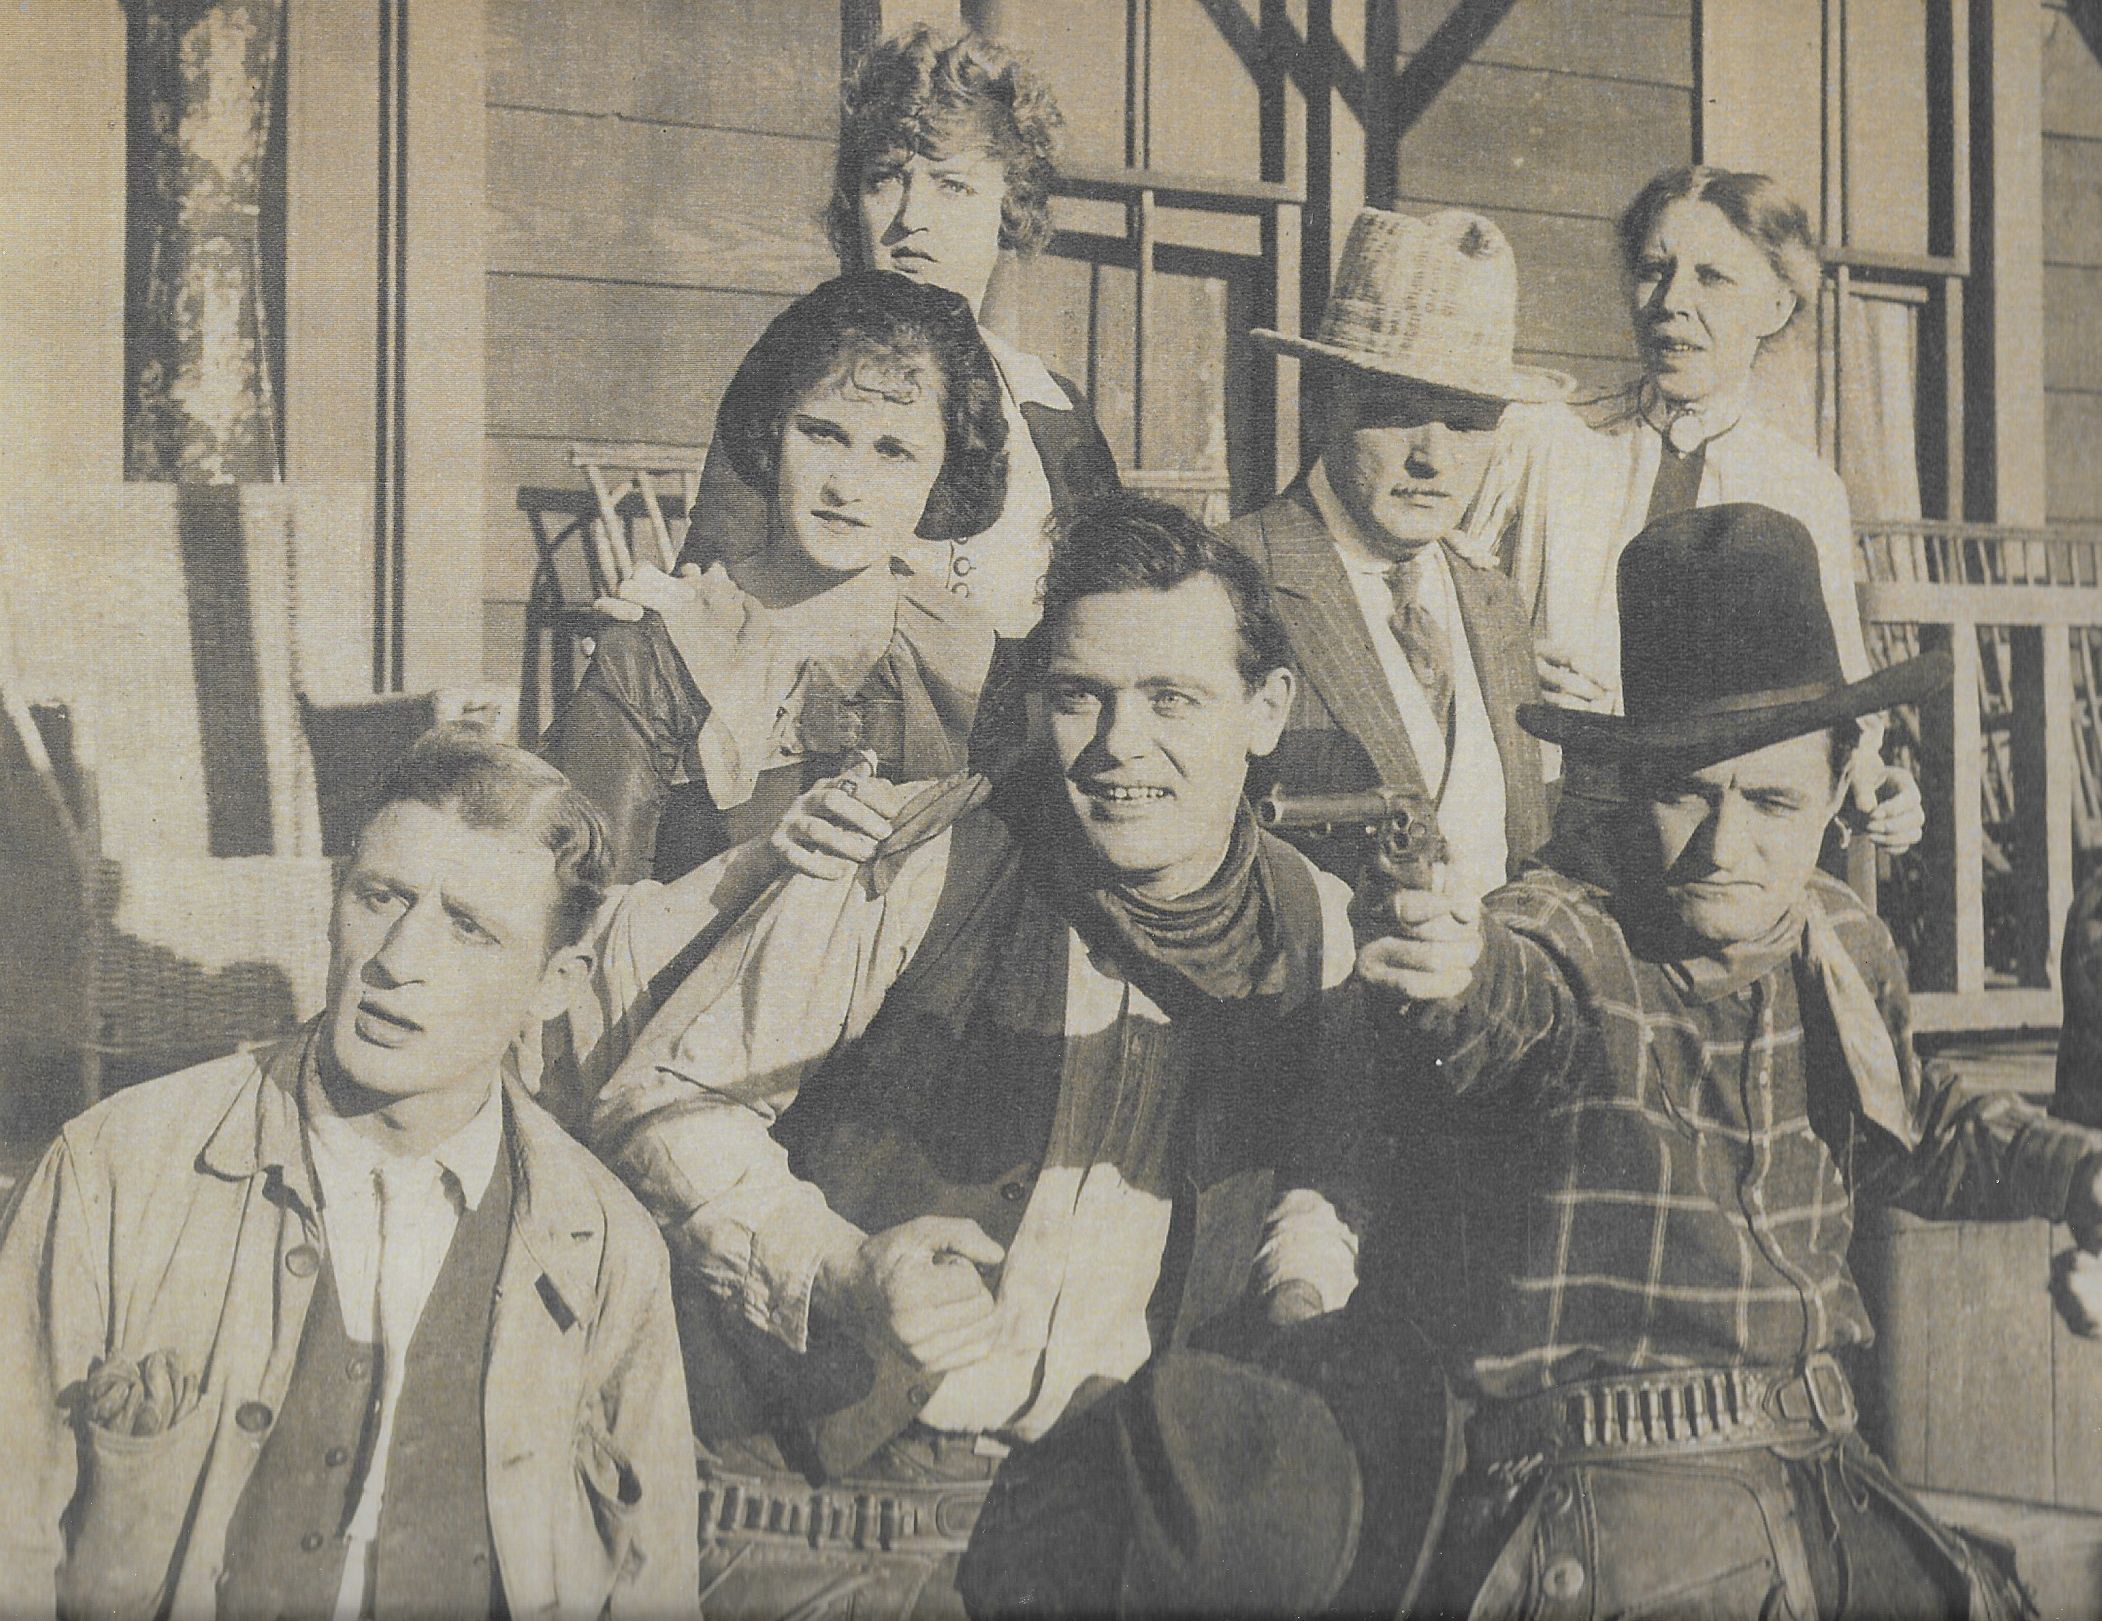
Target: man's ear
<point>1271,702</point>
<point>562,981</point>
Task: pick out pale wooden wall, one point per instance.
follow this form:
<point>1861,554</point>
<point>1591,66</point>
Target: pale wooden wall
<point>2072,221</point>
<point>1550,126</point>
<point>658,171</point>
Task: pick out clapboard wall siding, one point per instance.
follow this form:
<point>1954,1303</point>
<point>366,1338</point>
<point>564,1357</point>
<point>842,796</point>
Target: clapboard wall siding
<point>1643,41</point>
<point>725,64</point>
<point>1549,125</point>
<point>2072,127</point>
<point>668,204</point>
<point>657,177</point>
<point>1540,139</point>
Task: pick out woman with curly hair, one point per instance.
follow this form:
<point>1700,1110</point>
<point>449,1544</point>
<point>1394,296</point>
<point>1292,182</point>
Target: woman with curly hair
<point>946,157</point>
<point>872,417</point>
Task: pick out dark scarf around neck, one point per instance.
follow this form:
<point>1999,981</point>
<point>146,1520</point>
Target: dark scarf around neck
<point>1223,946</point>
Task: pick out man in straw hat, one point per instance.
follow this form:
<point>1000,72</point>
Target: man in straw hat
<point>1696,1049</point>
<point>1416,656</point>
<point>1415,653</point>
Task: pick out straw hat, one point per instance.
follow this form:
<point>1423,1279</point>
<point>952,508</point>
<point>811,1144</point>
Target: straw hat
<point>1726,646</point>
<point>1434,299</point>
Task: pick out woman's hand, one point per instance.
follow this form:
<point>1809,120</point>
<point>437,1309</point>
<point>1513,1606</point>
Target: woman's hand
<point>1887,803</point>
<point>835,825</point>
<point>648,588</point>
<point>1565,682</point>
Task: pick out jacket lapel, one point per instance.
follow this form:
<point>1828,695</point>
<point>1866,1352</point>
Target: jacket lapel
<point>1329,638</point>
<point>534,1381</point>
<point>1503,664</point>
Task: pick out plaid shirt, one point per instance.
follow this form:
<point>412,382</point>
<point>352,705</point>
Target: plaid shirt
<point>1685,1155</point>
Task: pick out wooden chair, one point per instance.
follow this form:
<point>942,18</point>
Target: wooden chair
<point>585,543</point>
<point>617,473</point>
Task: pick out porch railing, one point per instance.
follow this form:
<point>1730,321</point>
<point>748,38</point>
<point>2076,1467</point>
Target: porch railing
<point>2009,758</point>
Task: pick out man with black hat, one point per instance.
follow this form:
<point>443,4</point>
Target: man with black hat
<point>1697,1050</point>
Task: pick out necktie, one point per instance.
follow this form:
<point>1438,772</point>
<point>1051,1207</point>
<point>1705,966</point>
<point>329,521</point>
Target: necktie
<point>1678,485</point>
<point>1422,639</point>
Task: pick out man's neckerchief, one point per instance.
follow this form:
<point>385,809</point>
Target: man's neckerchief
<point>1603,852</point>
<point>1220,947</point>
<point>1223,945</point>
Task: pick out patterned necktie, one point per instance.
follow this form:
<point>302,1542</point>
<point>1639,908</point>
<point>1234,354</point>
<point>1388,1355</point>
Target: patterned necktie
<point>1422,639</point>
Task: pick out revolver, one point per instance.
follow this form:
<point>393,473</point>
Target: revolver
<point>1398,829</point>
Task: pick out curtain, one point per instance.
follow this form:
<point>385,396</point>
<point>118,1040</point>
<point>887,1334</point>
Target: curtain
<point>200,406</point>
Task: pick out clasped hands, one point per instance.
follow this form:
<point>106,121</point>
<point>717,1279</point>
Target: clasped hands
<point>915,1289</point>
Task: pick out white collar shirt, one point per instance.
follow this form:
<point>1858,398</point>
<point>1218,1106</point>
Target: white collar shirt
<point>1466,777</point>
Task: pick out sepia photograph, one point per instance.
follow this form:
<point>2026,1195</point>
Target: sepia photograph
<point>945,810</point>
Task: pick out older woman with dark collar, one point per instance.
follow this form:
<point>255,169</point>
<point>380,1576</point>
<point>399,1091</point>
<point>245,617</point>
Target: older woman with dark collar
<point>946,159</point>
<point>1720,265</point>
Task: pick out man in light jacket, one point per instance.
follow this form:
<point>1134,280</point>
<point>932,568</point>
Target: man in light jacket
<point>349,1326</point>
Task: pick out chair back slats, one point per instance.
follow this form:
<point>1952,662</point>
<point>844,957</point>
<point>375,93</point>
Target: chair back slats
<point>626,477</point>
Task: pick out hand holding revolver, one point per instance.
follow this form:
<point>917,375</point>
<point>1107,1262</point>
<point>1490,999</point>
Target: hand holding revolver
<point>1419,938</point>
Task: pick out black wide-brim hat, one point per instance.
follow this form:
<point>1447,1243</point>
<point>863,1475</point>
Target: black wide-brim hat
<point>1726,646</point>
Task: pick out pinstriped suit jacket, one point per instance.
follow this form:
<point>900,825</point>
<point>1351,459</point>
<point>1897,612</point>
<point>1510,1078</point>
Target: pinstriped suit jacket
<point>1346,731</point>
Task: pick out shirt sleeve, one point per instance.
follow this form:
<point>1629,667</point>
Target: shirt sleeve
<point>687,1117</point>
<point>640,931</point>
<point>52,1313</point>
<point>1307,1238</point>
<point>1514,1027</point>
<point>1983,1155</point>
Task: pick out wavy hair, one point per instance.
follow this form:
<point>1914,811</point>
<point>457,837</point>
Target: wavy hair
<point>866,322</point>
<point>1125,542</point>
<point>495,787</point>
<point>935,95</point>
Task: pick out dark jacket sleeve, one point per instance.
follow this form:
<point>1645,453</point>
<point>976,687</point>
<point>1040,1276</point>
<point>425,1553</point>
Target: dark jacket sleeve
<point>622,733</point>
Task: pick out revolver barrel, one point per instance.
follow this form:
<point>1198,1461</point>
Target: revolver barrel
<point>1368,811</point>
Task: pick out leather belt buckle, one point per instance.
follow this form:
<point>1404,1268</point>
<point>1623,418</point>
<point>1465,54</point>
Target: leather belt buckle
<point>1831,1397</point>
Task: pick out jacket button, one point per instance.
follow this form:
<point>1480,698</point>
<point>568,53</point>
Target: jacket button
<point>1014,1191</point>
<point>303,1262</point>
<point>253,1416</point>
<point>962,588</point>
<point>312,1541</point>
<point>962,565</point>
<point>920,1395</point>
<point>1563,1579</point>
<point>359,1368</point>
<point>336,1457</point>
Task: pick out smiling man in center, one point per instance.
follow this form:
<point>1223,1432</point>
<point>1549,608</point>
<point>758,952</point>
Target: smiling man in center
<point>949,1149</point>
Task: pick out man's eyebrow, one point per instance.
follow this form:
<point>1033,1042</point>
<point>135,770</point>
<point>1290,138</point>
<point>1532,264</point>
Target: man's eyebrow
<point>458,908</point>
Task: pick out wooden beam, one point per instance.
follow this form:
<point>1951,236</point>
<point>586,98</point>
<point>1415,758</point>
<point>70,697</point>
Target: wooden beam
<point>1917,602</point>
<point>2045,771</point>
<point>2011,382</point>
